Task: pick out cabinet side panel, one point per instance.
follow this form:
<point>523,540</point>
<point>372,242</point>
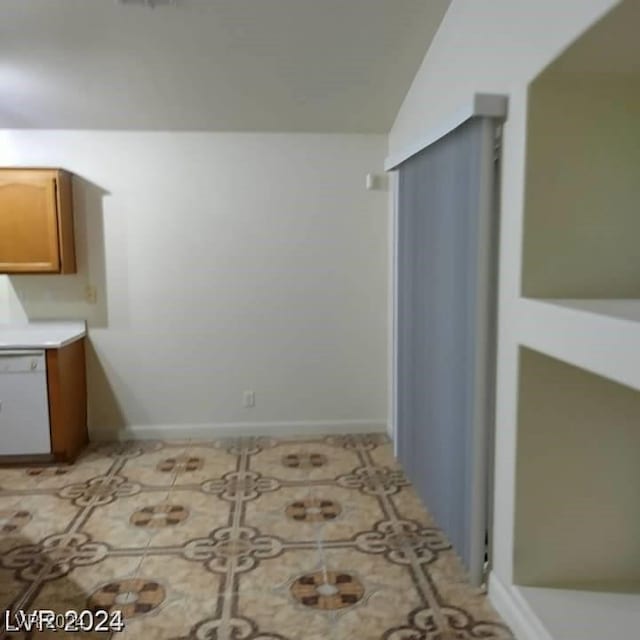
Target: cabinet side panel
<point>66,379</point>
<point>65,223</point>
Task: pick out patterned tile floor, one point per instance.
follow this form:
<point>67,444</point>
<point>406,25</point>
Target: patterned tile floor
<point>247,539</point>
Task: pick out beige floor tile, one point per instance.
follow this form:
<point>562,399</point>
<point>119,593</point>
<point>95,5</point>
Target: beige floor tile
<point>304,461</point>
<point>28,519</point>
<point>195,515</point>
<point>24,479</point>
<point>374,571</point>
<point>112,523</point>
<point>172,620</point>
<point>204,463</point>
<point>50,477</point>
<point>181,578</point>
<point>87,578</point>
<point>275,574</point>
<point>308,557</point>
<point>308,513</point>
<point>112,450</point>
<point>475,606</point>
<point>158,596</point>
<point>383,609</point>
<point>383,456</point>
<point>156,468</point>
<point>278,612</point>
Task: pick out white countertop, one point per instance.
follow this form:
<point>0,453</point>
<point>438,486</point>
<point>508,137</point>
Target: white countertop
<point>41,335</point>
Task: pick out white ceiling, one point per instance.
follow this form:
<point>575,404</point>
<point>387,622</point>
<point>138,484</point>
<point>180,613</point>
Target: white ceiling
<point>225,65</point>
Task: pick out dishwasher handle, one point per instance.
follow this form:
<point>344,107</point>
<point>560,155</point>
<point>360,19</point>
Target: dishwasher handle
<point>26,361</point>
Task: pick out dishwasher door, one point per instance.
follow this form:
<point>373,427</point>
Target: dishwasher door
<point>24,403</point>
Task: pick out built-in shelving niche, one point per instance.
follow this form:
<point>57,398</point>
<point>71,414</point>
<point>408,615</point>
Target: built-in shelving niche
<point>576,554</point>
<point>577,520</point>
<point>582,195</point>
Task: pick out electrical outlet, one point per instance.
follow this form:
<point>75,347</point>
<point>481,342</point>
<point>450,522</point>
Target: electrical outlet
<point>91,294</point>
<point>249,399</point>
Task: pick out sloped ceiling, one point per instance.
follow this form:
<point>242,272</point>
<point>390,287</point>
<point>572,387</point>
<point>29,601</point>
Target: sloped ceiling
<point>224,65</point>
<point>610,46</point>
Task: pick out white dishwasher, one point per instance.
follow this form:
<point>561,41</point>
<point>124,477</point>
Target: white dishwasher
<point>24,403</point>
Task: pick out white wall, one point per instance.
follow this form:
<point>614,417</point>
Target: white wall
<point>222,262</point>
<point>496,46</point>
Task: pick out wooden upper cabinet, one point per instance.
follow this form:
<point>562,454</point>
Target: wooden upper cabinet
<point>36,221</point>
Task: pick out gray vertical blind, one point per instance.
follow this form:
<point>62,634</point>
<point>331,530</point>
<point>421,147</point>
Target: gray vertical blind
<point>445,330</point>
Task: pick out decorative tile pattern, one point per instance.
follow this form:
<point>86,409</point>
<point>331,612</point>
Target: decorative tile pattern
<point>180,464</point>
<point>313,510</point>
<point>304,460</point>
<point>160,515</point>
<point>132,597</point>
<point>12,521</point>
<point>238,539</point>
<point>327,590</point>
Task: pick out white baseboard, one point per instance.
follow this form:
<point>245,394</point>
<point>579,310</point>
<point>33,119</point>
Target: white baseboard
<point>238,429</point>
<point>515,611</point>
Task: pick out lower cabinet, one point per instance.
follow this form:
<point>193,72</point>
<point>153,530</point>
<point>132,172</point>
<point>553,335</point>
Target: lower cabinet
<point>43,406</point>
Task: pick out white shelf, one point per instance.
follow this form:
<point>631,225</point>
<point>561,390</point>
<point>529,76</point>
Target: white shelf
<point>585,615</point>
<point>601,336</point>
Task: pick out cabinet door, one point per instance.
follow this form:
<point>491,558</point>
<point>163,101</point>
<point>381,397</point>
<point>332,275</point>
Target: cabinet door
<point>29,241</point>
